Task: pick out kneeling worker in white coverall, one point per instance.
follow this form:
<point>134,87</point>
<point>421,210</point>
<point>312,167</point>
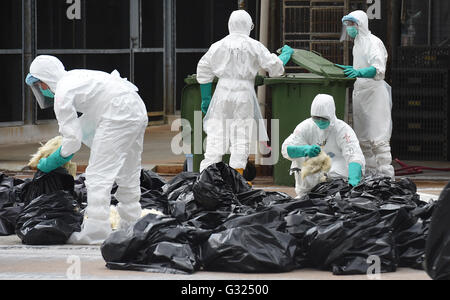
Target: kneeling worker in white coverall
<point>335,137</point>
<point>113,123</point>
<point>372,99</point>
<point>234,108</point>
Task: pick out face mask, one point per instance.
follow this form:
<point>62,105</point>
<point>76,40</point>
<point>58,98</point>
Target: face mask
<point>322,124</point>
<point>47,93</point>
<point>352,31</point>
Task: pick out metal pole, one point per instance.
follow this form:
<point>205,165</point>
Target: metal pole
<point>430,6</point>
<point>28,55</point>
<point>169,20</point>
<point>264,39</point>
<point>134,33</point>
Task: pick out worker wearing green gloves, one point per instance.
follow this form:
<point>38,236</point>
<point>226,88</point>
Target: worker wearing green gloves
<point>372,100</point>
<point>233,119</point>
<point>337,140</point>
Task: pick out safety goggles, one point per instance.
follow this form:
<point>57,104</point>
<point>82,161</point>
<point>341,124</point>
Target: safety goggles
<point>43,97</point>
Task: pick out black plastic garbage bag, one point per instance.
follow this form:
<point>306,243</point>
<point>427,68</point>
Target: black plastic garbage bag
<point>249,249</point>
<point>181,201</point>
<point>49,219</point>
<point>437,255</point>
<point>180,183</point>
<point>47,183</point>
<point>218,185</point>
<point>373,242</point>
<point>410,245</point>
<point>151,181</point>
<point>155,244</point>
<point>10,203</point>
<point>154,199</point>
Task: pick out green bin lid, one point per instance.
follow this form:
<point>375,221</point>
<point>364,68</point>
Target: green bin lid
<point>316,64</point>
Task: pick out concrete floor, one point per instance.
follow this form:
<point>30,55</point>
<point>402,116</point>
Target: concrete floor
<point>18,261</point>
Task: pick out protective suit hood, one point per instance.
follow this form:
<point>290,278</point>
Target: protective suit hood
<point>323,106</point>
<point>48,69</point>
<point>240,22</point>
<point>363,22</point>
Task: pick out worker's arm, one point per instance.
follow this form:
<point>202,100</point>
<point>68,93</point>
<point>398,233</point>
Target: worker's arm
<point>205,77</point>
<point>378,57</point>
<point>70,126</point>
<point>270,62</point>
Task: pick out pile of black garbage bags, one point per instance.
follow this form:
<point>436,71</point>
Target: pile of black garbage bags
<point>215,221</point>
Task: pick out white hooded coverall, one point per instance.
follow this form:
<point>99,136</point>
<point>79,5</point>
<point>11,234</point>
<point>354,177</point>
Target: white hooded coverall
<point>234,112</point>
<point>372,101</point>
<point>113,123</point>
<point>338,141</point>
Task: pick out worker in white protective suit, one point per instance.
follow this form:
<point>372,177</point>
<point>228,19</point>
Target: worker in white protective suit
<point>233,114</point>
<point>372,99</point>
<point>113,123</point>
<point>324,132</point>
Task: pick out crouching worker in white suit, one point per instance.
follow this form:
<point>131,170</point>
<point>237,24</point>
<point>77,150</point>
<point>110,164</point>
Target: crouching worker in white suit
<point>113,123</point>
<point>335,137</point>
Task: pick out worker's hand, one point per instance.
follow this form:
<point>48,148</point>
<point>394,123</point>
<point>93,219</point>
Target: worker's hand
<point>286,54</point>
<point>53,162</point>
<point>354,174</point>
<point>343,67</point>
<point>351,73</point>
<point>303,151</point>
<point>313,151</point>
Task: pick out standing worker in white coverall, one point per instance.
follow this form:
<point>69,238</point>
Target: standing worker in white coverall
<point>232,112</point>
<point>113,123</point>
<point>324,132</point>
<point>372,99</point>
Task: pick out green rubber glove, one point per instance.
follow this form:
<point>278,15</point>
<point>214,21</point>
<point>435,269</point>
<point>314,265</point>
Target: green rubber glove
<point>286,54</point>
<point>206,91</point>
<point>303,151</point>
<point>343,67</point>
<point>370,72</point>
<point>354,174</point>
<point>54,161</point>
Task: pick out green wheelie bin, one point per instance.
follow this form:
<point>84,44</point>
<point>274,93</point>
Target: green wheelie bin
<point>292,96</point>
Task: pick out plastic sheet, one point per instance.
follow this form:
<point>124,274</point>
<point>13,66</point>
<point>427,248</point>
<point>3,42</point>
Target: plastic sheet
<point>437,256</point>
<point>49,219</point>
